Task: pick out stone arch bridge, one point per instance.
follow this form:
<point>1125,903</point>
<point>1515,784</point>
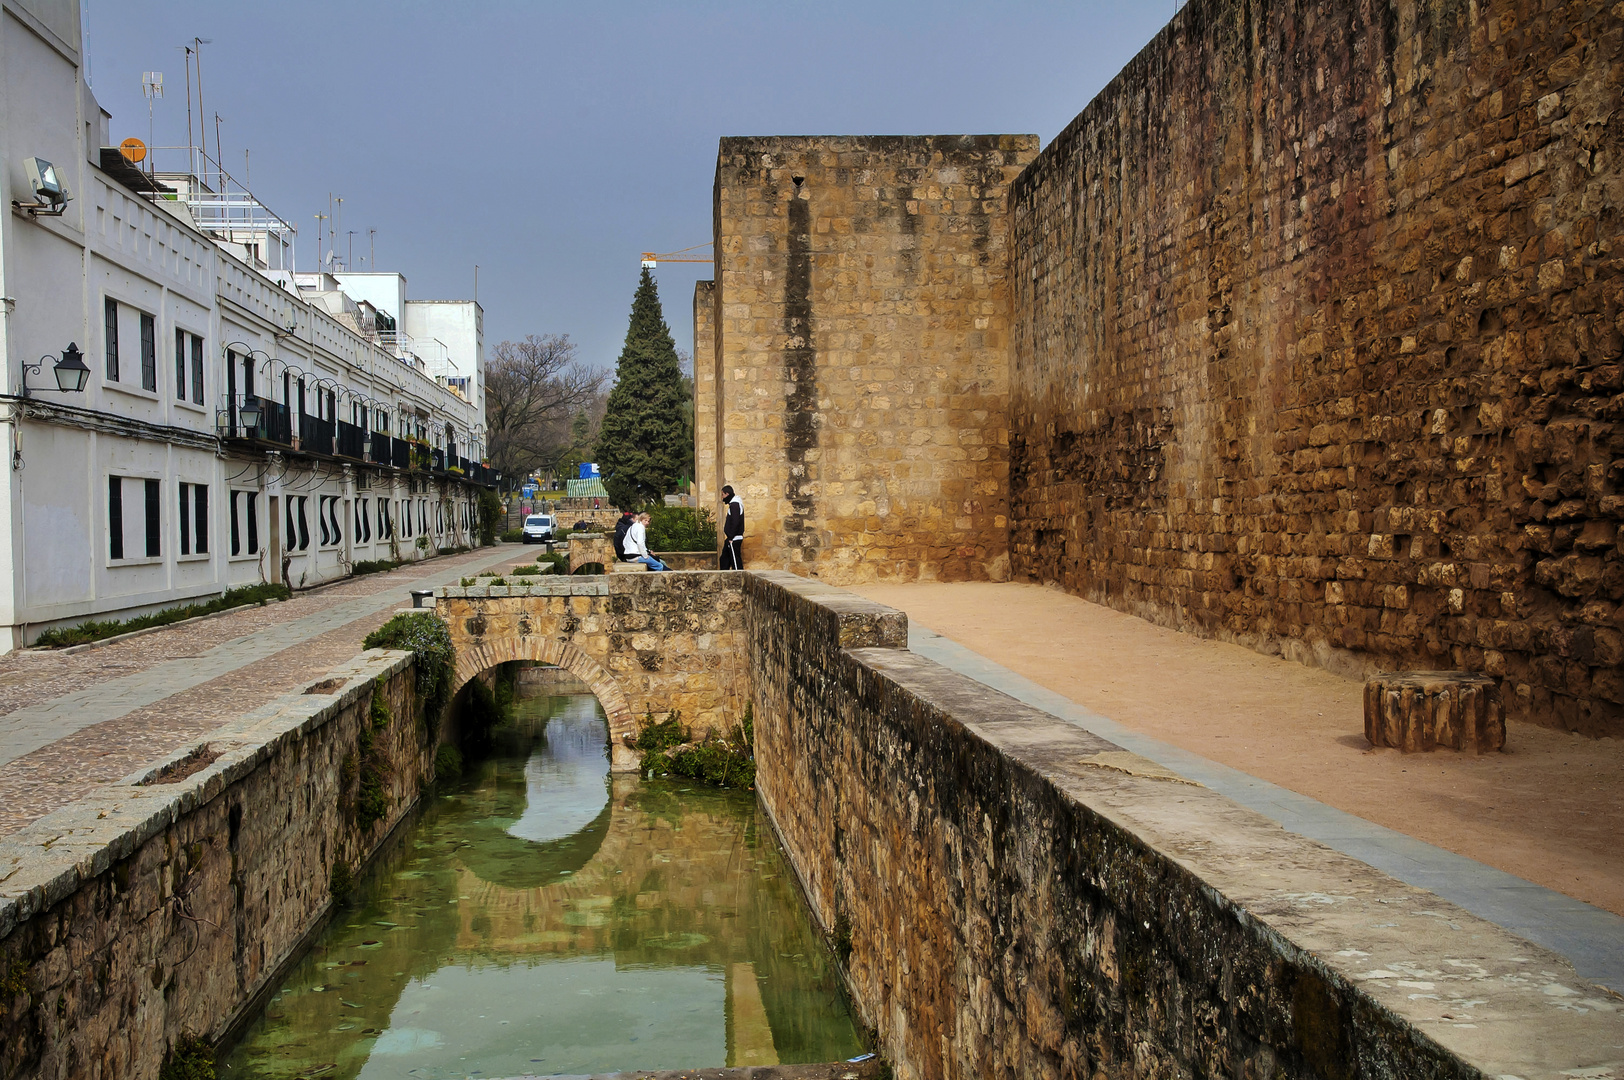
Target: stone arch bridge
<point>642,642</point>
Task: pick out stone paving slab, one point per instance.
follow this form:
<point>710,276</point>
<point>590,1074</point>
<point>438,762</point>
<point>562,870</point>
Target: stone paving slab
<point>1590,938</point>
<point>60,749</point>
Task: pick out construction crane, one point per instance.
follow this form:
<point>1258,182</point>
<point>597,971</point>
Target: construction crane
<point>651,259</point>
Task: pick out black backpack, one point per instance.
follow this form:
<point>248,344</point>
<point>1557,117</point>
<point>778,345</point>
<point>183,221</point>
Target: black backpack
<point>620,537</point>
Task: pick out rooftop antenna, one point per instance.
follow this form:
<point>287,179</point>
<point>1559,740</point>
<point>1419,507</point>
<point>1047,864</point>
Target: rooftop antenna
<point>191,157</point>
<point>338,221</point>
<point>219,155</point>
<point>372,249</point>
<point>152,86</point>
<point>348,261</point>
<point>202,123</point>
<point>319,219</point>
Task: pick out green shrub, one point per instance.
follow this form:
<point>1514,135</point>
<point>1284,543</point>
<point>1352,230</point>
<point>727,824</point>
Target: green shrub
<point>497,581</point>
<point>668,749</point>
<point>525,571</point>
<point>467,582</point>
<point>375,566</point>
<point>428,638</point>
<point>92,630</point>
<point>681,528</point>
<point>191,1058</point>
<point>559,563</point>
<point>513,536</point>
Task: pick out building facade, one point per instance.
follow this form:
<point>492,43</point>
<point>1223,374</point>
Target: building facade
<point>239,423</point>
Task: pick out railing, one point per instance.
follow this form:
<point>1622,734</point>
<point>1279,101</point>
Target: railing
<point>316,434</point>
<point>351,441</point>
<point>273,424</point>
<point>483,475</point>
<point>437,460</point>
<point>400,453</point>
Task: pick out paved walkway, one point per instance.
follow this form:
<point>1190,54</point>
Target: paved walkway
<point>82,719</point>
<point>1590,937</point>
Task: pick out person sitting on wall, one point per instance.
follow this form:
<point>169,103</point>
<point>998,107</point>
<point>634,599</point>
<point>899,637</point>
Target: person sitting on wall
<point>732,530</point>
<point>637,544</point>
<point>621,527</point>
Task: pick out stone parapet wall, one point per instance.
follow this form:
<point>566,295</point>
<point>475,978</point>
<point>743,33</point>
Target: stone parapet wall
<point>149,910</point>
<point>1317,340</point>
<point>863,307</point>
<point>1014,896</point>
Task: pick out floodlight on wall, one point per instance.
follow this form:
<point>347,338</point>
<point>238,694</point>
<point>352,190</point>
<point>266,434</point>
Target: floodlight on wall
<point>51,195</point>
<point>69,369</point>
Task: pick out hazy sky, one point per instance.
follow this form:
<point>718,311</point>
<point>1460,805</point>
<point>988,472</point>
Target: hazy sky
<point>552,143</point>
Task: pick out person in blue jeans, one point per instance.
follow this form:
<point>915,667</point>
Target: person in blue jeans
<point>637,544</point>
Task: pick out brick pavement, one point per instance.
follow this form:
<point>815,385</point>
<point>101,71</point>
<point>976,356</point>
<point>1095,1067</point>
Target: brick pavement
<point>75,721</point>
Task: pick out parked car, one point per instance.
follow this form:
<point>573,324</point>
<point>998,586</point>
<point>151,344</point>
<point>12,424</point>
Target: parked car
<point>538,528</point>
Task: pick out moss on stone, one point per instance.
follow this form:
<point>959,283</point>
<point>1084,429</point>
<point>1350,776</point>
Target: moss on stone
<point>191,1058</point>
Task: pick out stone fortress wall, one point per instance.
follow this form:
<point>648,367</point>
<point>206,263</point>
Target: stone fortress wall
<point>861,351</point>
<point>1304,334</point>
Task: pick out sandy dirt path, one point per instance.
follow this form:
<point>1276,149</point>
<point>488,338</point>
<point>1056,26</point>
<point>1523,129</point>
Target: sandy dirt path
<point>1549,809</point>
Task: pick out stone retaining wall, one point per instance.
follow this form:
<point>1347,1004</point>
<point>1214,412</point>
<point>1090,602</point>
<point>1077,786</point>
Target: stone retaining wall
<point>145,911</point>
<point>1017,897</point>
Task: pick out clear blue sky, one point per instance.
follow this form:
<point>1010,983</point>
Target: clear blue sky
<point>551,143</point>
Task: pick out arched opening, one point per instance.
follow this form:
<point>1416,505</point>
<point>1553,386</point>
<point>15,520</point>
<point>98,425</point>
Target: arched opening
<point>588,569</point>
<point>617,710</point>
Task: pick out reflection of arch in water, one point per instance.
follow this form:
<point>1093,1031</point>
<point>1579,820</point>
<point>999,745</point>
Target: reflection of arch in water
<point>502,648</point>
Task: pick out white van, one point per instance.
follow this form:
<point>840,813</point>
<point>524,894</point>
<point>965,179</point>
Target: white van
<point>538,528</point>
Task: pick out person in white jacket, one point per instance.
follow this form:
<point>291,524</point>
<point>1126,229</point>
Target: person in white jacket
<point>637,544</point>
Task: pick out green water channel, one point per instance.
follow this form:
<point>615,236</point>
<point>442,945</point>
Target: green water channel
<point>543,917</point>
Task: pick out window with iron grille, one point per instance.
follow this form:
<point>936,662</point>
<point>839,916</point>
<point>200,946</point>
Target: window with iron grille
<point>149,352</point>
<point>110,327</point>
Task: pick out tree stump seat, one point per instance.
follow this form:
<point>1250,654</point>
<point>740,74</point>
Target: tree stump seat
<point>1423,710</point>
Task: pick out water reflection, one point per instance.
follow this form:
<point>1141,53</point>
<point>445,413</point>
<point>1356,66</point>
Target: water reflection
<point>548,918</point>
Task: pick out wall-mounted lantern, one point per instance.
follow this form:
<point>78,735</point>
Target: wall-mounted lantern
<point>69,369</point>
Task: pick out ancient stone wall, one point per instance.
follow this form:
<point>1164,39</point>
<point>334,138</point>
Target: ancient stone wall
<point>1013,896</point>
<point>863,318</point>
<point>644,642</point>
<point>707,444</point>
<point>1317,341</point>
<point>151,909</point>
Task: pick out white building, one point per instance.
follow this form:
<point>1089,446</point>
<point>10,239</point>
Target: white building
<point>156,483</point>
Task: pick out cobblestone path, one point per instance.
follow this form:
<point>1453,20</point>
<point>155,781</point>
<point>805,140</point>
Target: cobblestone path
<point>76,720</point>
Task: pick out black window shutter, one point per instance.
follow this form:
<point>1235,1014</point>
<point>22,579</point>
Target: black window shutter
<point>154,539</point>
<point>180,364</point>
<point>197,370</point>
<point>304,523</point>
<point>110,322</point>
<point>185,519</point>
<point>236,530</point>
<point>115,517</point>
<point>253,522</point>
<point>149,353</point>
<point>200,511</point>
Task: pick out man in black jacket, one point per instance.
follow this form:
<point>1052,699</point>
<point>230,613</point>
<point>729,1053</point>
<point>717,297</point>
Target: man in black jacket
<point>621,526</point>
<point>732,530</point>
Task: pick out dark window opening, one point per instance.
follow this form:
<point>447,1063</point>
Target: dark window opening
<point>149,353</point>
<point>154,539</point>
<point>115,517</point>
<point>110,322</point>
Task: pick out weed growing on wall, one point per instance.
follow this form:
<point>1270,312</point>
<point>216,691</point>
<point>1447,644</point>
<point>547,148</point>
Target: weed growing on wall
<point>191,1058</point>
<point>372,770</point>
<point>341,882</point>
<point>13,984</point>
<point>669,749</point>
<point>428,638</point>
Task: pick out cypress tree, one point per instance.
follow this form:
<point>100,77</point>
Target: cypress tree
<point>645,439</point>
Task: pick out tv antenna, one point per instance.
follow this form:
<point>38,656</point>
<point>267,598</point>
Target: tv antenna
<point>152,87</point>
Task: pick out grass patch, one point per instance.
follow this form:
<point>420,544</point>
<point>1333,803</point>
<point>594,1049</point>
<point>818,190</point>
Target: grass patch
<point>669,749</point>
<point>93,630</point>
<point>527,570</point>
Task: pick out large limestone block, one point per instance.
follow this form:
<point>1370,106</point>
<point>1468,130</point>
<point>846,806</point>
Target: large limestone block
<point>1423,710</point>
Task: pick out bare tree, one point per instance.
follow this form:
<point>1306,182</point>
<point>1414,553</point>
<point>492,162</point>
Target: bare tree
<point>532,389</point>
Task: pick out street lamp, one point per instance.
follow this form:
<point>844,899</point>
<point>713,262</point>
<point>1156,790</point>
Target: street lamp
<point>249,412</point>
<point>70,371</point>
